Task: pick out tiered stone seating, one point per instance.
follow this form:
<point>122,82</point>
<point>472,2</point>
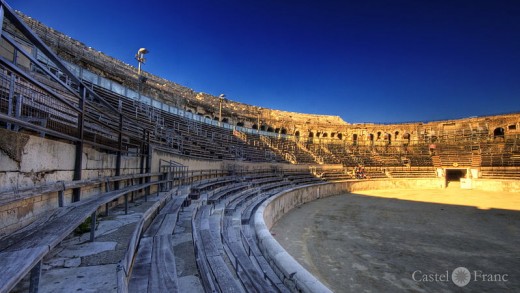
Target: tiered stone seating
<point>227,254</point>
<point>500,173</point>
<point>284,145</point>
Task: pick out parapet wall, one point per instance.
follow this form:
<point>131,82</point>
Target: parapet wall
<point>35,162</point>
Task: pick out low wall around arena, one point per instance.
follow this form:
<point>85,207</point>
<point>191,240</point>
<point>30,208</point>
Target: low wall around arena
<point>503,185</point>
<point>288,269</point>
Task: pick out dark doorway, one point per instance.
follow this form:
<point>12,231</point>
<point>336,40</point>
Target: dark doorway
<point>455,174</point>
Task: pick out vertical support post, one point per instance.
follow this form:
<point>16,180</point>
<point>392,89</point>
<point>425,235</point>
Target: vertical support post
<point>143,154</point>
<point>78,164</point>
<point>11,98</point>
<point>93,219</point>
<point>126,203</point>
<point>119,150</point>
<point>18,110</point>
<point>61,195</point>
<point>107,189</point>
<point>60,198</point>
<point>36,273</point>
<point>149,157</point>
<point>148,165</point>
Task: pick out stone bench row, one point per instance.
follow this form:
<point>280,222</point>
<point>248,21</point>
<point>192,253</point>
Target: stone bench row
<point>22,252</point>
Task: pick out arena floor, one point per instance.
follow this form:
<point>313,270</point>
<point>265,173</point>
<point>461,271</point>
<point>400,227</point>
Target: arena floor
<point>405,240</point>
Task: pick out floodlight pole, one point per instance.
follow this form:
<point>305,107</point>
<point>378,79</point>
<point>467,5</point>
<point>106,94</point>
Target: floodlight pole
<point>140,59</point>
<point>220,100</point>
<point>258,120</point>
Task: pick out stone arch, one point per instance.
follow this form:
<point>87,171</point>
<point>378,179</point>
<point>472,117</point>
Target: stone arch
<point>388,138</point>
<point>284,131</point>
<point>311,134</point>
<point>270,129</point>
<point>340,136</point>
<point>498,132</point>
<point>407,137</point>
<point>325,135</point>
<point>396,135</point>
<point>371,138</point>
<point>297,133</point>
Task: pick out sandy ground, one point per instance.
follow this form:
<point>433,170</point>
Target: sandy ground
<point>403,240</point>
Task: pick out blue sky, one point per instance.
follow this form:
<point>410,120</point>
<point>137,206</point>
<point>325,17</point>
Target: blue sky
<point>366,61</point>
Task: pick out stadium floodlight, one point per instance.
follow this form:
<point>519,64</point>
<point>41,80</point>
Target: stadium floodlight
<point>221,99</point>
<point>140,58</point>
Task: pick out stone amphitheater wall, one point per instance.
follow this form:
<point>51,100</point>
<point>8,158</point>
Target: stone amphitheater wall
<point>309,126</point>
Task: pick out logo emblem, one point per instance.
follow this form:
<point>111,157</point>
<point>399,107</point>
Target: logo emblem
<point>460,276</point>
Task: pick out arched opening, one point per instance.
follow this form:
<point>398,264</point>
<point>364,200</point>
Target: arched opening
<point>325,135</point>
<point>214,118</point>
<point>498,133</point>
<point>284,131</point>
<point>254,126</point>
<point>396,135</point>
<point>378,135</point>
<point>406,137</point>
<point>371,138</point>
<point>388,138</point>
<point>354,139</point>
<point>332,135</point>
<point>318,134</point>
<point>270,129</point>
<point>340,136</point>
<point>311,134</point>
<point>277,130</point>
<point>189,111</point>
<point>297,133</point>
<point>262,127</point>
<point>241,124</point>
<point>225,120</point>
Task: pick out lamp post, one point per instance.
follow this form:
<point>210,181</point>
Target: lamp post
<point>221,99</point>
<point>140,60</point>
<point>258,120</point>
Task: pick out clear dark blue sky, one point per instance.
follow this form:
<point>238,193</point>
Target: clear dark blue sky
<point>366,61</point>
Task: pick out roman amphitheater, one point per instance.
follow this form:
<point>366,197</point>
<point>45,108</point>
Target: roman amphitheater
<point>117,180</point>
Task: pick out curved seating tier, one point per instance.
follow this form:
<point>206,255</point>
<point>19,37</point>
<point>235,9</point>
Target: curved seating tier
<point>226,252</point>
